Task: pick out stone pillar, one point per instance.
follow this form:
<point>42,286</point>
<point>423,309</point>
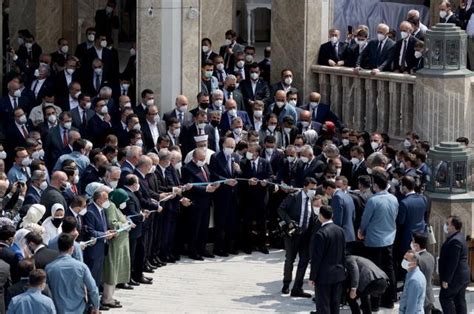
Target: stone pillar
<point>70,25</point>
<point>190,51</point>
<point>44,19</point>
<point>216,19</point>
<point>299,27</point>
<point>86,15</point>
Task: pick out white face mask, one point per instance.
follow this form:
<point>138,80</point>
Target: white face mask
<point>254,76</point>
<point>412,247</point>
<point>271,128</point>
<point>269,151</point>
<point>70,71</point>
<point>334,40</point>
<point>311,193</point>
<point>240,64</point>
<point>205,49</point>
<point>290,158</point>
<point>67,125</point>
<point>404,35</point>
<point>22,120</point>
<point>258,114</point>
<point>316,210</point>
<point>280,104</point>
<point>113,184</point>
<point>354,161</point>
<point>106,204</point>
<point>418,54</point>
<point>445,226</point>
<point>29,45</point>
<point>249,155</point>
<point>374,145</point>
<point>26,162</point>
<point>313,104</point>
<point>64,49</point>
<point>98,71</point>
<point>287,130</point>
<point>228,42</point>
<point>380,37</point>
<point>133,51</point>
<point>139,143</point>
<point>442,14</point>
<point>238,131</point>
<point>150,102</point>
<point>183,108</point>
<point>220,66</point>
<point>88,105</point>
<point>76,179</point>
<point>361,43</point>
<point>304,124</point>
<point>43,186</point>
<point>178,165</point>
<point>176,132</point>
<point>292,102</point>
<point>103,43</point>
<point>3,154</point>
<point>288,80</point>
<point>304,159</point>
<point>345,142</point>
<point>249,58</point>
<point>233,112</point>
<point>394,182</point>
<point>200,163</point>
<point>39,154</point>
<point>91,37</point>
<point>406,143</point>
<point>83,212</point>
<point>123,205</point>
<point>36,73</point>
<point>228,151</point>
<point>405,264</point>
<point>137,127</point>
<point>17,93</point>
<point>104,110</point>
<point>369,170</point>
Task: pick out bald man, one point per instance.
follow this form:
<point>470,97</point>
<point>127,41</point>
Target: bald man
<point>231,112</point>
<point>320,113</point>
<point>405,60</point>
<point>281,107</point>
<point>379,53</point>
<point>180,111</point>
<point>53,193</point>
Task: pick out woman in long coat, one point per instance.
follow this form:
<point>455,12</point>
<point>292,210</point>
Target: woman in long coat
<point>117,261</point>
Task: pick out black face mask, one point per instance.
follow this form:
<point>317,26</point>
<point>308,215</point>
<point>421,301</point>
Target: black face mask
<point>230,88</point>
<point>214,123</point>
<point>204,105</point>
<point>57,222</point>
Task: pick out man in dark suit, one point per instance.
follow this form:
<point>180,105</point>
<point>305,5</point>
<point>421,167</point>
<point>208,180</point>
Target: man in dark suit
<point>254,88</point>
<point>70,101</point>
<point>320,112</point>
<point>11,101</point>
<point>106,20</point>
<point>95,225</point>
<point>327,263</point>
<point>82,114</point>
<point>285,83</point>
<point>359,167</point>
<point>453,268</point>
<point>225,166</point>
<point>42,255</point>
<point>379,52</point>
<point>42,85</point>
<point>199,127</point>
<point>207,53</point>
<point>53,193</point>
<point>196,171</point>
<point>307,167</point>
<point>331,53</point>
<point>59,57</point>
<point>37,184</point>
<point>404,60</point>
<point>7,233</point>
<point>296,211</point>
<point>180,112</point>
<point>230,113</point>
<point>259,173</point>
<point>152,128</point>
<point>64,78</point>
<point>148,99</point>
<point>231,47</point>
<point>230,91</point>
<point>96,78</point>
<point>94,171</point>
<point>265,64</point>
<point>133,209</point>
<point>99,126</point>
<point>17,131</point>
<point>57,139</point>
<point>351,54</point>
<point>29,53</point>
<point>81,49</point>
<point>447,15</point>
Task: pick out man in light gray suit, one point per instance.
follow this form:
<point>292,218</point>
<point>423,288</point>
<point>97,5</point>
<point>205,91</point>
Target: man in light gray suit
<point>365,279</point>
<point>426,263</point>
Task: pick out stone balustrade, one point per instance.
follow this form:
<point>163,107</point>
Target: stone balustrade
<point>382,102</point>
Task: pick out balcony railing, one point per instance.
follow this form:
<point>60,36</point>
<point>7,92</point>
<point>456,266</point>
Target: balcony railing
<point>382,102</point>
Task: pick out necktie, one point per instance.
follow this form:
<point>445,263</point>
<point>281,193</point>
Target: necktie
<point>315,113</point>
<point>404,51</point>
<point>219,75</point>
<point>65,139</point>
<point>97,82</point>
<point>25,131</point>
<point>124,92</point>
<point>379,52</point>
<point>216,136</point>
<point>336,51</point>
<point>287,140</point>
<point>79,223</point>
<point>104,221</point>
<point>304,226</point>
<point>254,168</point>
<point>229,164</point>
<point>180,117</point>
<point>35,86</point>
<point>231,96</point>
<point>15,103</point>
<point>84,119</point>
<point>204,173</point>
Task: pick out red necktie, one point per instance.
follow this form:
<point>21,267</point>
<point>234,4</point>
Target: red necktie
<point>204,174</point>
<point>25,131</point>
<point>65,142</point>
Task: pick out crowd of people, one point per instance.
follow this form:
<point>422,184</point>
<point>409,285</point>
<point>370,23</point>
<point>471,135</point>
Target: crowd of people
<point>98,189</point>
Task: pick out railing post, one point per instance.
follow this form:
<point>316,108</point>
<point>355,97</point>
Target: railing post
<point>336,94</point>
<point>395,107</point>
<point>325,88</point>
<point>371,105</point>
<point>408,105</point>
<point>383,99</point>
<point>347,101</point>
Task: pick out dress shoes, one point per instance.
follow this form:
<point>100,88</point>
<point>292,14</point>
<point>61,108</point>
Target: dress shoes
<point>285,289</point>
<point>207,254</point>
<point>124,286</point>
<point>221,253</point>
<point>300,294</point>
<point>148,269</point>
<point>104,307</point>
<point>176,257</point>
<point>133,283</point>
<point>151,265</point>
<point>143,280</point>
<point>160,262</point>
<point>148,278</point>
<point>169,259</point>
<point>234,252</point>
<point>263,250</point>
<point>388,305</point>
<point>196,257</point>
<point>247,251</point>
<point>112,306</point>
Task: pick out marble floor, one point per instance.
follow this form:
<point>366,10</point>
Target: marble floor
<point>242,283</point>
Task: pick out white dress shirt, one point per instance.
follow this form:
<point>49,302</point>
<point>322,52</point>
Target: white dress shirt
<point>154,131</point>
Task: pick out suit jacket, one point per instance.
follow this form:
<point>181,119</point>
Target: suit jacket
<point>59,58</point>
<point>410,59</point>
<point>323,114</point>
<point>186,138</point>
<point>275,160</point>
<point>327,251</point>
<point>426,262</point>
<point>453,20</point>
<point>90,174</point>
<point>362,272</point>
<point>351,54</point>
<point>50,197</point>
<point>53,146</point>
<point>237,96</point>
<point>360,170</point>
<point>452,264</point>
<point>229,60</point>
<point>411,218</point>
<point>32,59</point>
<point>290,210</point>
<point>15,136</point>
<point>148,142</point>
<point>262,92</point>
<point>384,60</point>
<point>47,86</point>
<point>4,283</point>
<point>265,66</point>
<point>344,213</point>
<point>187,117</point>
<point>104,23</point>
<point>133,208</point>
<point>145,194</point>
<point>191,173</point>
<point>6,108</point>
<point>32,196</point>
<point>61,88</point>
<point>224,126</point>
<point>303,170</point>
<point>98,129</point>
<point>44,256</point>
<point>77,120</point>
<point>94,227</point>
<point>328,52</point>
<point>210,55</point>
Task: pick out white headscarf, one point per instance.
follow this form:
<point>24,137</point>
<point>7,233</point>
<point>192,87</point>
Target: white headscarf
<point>33,215</point>
<point>55,208</point>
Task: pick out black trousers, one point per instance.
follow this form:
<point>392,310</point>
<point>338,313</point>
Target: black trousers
<point>199,225</point>
<point>328,297</point>
<point>296,245</point>
<point>376,288</point>
<point>255,211</point>
<point>383,258</point>
<point>453,299</point>
<point>137,257</point>
<point>168,229</point>
<point>225,218</point>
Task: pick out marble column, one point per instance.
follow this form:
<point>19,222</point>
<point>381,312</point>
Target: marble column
<point>216,19</point>
<point>191,50</point>
<point>86,15</point>
<point>70,25</point>
<point>299,27</point>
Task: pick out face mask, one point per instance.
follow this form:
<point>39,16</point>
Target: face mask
<point>103,43</point>
<point>292,102</point>
<point>22,120</point>
<point>76,179</point>
<point>57,221</point>
<point>249,58</point>
<point>88,105</point>
<point>401,165</point>
<point>442,14</point>
<point>354,161</point>
<point>104,110</point>
<point>380,37</point>
<point>406,143</point>
<point>64,49</point>
<point>139,143</point>
<point>228,151</point>
<point>153,169</point>
<point>3,154</point>
<point>288,80</point>
<point>106,204</point>
<point>304,124</point>
<point>70,71</point>
<point>233,112</point>
<point>361,43</point>
<point>304,159</point>
<point>208,74</point>
<point>176,132</point>
<point>280,104</point>
<point>183,108</point>
<point>28,45</point>
<point>178,165</point>
<point>271,128</point>
<point>418,54</point>
<point>369,171</point>
<point>249,155</point>
<point>218,104</point>
<point>228,42</point>
<point>91,37</point>
<point>127,105</point>
<point>43,186</point>
<point>201,125</point>
<point>338,172</point>
<point>98,71</point>
<point>220,66</point>
<point>26,162</point>
<point>113,184</point>
<point>150,102</point>
<point>76,95</point>
<point>36,73</point>
<point>109,9</point>
<point>238,131</point>
<point>374,145</point>
<point>445,226</point>
<point>133,51</point>
<point>311,193</point>
<point>316,210</point>
<point>405,264</point>
<point>136,187</point>
<point>290,158</point>
<point>254,76</point>
<point>20,41</point>
<point>125,86</point>
<point>200,163</point>
<point>412,247</point>
<point>240,64</point>
<point>39,154</point>
<point>394,182</point>
<point>287,130</point>
<point>83,212</point>
<point>205,49</point>
<point>334,40</point>
<point>404,35</point>
<point>298,149</point>
<point>269,151</point>
<point>137,127</point>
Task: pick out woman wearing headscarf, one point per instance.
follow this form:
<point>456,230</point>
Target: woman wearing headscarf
<point>52,224</point>
<point>33,215</point>
<point>117,261</point>
<point>19,244</point>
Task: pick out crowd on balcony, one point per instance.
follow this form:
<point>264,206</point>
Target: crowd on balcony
<point>98,189</point>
